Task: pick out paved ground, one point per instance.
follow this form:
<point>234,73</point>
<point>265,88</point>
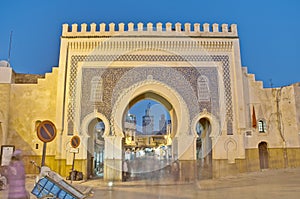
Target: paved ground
<point>273,184</point>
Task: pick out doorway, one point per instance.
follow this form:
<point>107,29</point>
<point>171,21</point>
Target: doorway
<point>263,155</point>
<point>204,149</point>
<point>96,146</point>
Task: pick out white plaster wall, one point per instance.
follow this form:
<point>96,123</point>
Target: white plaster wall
<point>277,106</point>
<point>5,75</point>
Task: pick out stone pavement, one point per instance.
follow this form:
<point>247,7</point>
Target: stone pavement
<point>273,184</point>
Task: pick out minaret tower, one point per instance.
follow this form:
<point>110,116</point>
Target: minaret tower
<point>148,122</point>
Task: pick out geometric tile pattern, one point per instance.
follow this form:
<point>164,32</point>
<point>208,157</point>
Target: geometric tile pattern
<point>224,59</point>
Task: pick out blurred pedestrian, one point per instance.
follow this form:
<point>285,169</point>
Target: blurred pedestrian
<point>127,154</point>
<point>175,170</point>
<point>125,170</point>
<point>16,177</point>
<point>3,182</point>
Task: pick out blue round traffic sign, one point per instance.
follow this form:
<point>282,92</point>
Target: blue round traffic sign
<point>46,131</point>
<point>75,141</point>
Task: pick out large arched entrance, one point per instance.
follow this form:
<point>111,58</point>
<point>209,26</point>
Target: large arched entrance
<point>204,149</point>
<point>147,143</point>
<point>95,149</point>
<point>181,137</point>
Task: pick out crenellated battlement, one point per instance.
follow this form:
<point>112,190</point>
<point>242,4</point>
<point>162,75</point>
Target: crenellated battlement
<point>102,29</point>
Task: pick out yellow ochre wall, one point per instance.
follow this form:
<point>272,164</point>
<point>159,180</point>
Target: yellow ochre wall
<point>30,103</point>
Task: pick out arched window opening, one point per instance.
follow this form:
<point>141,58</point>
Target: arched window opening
<point>261,126</point>
<point>203,89</point>
<point>96,89</point>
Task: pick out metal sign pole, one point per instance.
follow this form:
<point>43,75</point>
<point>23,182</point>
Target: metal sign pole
<point>46,132</point>
<point>72,171</point>
<point>75,141</point>
<point>44,154</point>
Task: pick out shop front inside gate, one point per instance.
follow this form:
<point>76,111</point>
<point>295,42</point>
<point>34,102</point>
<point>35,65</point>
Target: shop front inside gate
<point>141,163</point>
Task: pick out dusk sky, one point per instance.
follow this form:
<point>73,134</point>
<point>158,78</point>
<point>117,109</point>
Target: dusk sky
<point>156,110</point>
<point>268,29</point>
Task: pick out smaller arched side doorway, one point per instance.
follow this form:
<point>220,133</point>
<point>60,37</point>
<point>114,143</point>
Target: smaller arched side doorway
<point>95,149</point>
<point>204,149</point>
<point>263,155</point>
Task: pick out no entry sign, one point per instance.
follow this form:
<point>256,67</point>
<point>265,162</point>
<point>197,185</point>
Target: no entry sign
<point>46,131</point>
<point>75,141</point>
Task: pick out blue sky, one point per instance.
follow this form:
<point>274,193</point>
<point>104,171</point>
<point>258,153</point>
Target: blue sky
<point>156,110</point>
<point>268,29</point>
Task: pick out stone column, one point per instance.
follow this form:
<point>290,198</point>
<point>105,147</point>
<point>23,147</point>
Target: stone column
<point>113,158</point>
<point>187,157</point>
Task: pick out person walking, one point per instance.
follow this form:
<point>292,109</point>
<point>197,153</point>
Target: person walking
<point>125,170</point>
<point>175,170</point>
<point>16,177</point>
<point>3,182</point>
